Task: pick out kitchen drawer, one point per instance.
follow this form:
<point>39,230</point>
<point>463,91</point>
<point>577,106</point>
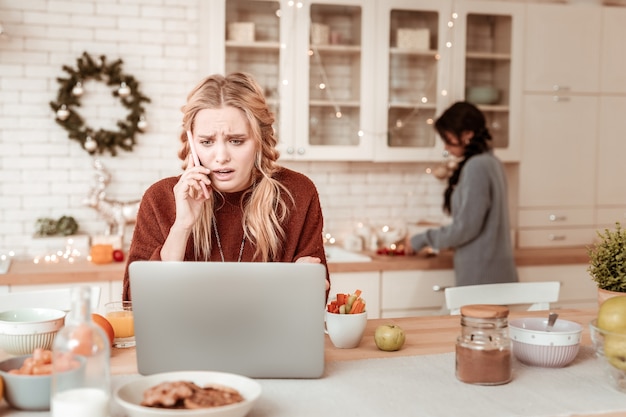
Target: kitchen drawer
<point>607,216</point>
<point>555,217</point>
<point>415,292</point>
<point>555,237</point>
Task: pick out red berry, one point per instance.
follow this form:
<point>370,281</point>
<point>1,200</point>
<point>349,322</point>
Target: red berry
<point>118,255</point>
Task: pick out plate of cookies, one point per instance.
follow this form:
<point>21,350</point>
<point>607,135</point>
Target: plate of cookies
<point>189,393</point>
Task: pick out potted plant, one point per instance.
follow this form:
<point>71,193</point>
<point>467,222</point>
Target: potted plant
<point>607,263</point>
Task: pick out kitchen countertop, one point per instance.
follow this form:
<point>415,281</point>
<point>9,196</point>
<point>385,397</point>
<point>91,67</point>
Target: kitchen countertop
<point>423,381</point>
<point>25,272</point>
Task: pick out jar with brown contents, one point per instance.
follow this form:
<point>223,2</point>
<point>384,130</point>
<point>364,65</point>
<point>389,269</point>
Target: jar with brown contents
<point>483,350</point>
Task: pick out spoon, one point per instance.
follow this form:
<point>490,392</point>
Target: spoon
<point>551,320</point>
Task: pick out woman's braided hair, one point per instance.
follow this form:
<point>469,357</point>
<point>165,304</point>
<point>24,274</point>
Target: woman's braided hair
<point>458,118</point>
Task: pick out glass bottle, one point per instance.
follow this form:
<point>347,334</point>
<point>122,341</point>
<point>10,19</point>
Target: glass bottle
<point>81,353</point>
<point>483,350</point>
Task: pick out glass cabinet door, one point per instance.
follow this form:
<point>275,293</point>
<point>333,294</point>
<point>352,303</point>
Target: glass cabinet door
<point>488,71</point>
<point>413,65</point>
<point>333,74</point>
<point>253,45</point>
<point>489,63</point>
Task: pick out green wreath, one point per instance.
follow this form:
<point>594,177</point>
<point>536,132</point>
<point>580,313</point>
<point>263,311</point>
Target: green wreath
<point>125,87</point>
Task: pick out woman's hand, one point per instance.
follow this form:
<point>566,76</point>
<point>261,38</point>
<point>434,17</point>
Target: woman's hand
<point>408,249</point>
<point>312,260</point>
<point>189,194</point>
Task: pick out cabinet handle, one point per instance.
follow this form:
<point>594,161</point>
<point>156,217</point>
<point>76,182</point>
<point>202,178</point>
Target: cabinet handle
<point>301,151</point>
<point>290,150</point>
<point>554,237</point>
<point>557,218</point>
<point>560,99</point>
<point>557,87</point>
<point>439,288</point>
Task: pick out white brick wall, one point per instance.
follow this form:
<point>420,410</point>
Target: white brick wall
<point>44,174</point>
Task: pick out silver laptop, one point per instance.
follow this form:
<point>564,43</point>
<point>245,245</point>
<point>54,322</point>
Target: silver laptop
<point>261,320</point>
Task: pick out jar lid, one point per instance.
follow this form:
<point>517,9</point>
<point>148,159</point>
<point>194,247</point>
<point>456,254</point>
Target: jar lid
<point>485,311</point>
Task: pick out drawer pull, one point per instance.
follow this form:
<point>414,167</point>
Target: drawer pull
<point>554,237</point>
<point>557,218</point>
<point>439,288</point>
<point>560,99</point>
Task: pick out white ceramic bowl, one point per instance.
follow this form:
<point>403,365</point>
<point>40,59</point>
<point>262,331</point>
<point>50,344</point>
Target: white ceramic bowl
<point>130,395</point>
<point>610,350</point>
<point>533,345</point>
<point>482,95</point>
<point>25,329</point>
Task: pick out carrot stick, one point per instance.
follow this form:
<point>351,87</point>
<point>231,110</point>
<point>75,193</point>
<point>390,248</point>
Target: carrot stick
<point>357,293</point>
<point>341,299</point>
<point>355,305</point>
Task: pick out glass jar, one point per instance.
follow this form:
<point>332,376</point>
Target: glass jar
<point>81,353</point>
<point>483,350</point>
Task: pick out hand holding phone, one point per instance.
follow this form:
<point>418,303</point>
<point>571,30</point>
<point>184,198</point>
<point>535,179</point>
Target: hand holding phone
<point>196,162</point>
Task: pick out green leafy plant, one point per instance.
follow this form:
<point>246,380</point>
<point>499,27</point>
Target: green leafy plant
<point>607,259</point>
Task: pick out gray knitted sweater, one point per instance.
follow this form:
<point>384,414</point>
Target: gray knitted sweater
<point>479,233</point>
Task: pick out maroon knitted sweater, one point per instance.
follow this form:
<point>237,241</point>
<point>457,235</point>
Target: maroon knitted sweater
<point>157,212</point>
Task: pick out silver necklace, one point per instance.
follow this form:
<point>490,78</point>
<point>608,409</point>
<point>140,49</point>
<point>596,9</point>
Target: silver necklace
<point>219,242</point>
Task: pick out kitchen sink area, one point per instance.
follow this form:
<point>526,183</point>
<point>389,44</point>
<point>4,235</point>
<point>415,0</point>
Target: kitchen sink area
<point>336,254</point>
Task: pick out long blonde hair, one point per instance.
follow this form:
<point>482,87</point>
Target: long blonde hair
<point>266,208</point>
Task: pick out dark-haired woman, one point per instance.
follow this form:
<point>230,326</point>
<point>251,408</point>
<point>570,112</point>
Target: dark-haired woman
<point>476,198</point>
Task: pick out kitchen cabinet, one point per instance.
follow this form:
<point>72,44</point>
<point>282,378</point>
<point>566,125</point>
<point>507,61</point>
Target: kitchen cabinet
<point>333,61</point>
<point>471,44</point>
<point>611,170</point>
<point>251,36</point>
<point>574,102</point>
<point>365,79</point>
<point>414,293</point>
<point>612,74</point>
<point>367,282</point>
<point>578,290</point>
<point>557,170</point>
<point>558,157</point>
<point>562,52</point>
<point>488,51</point>
<point>412,72</point>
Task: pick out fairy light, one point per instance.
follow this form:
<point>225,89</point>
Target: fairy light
<point>69,254</point>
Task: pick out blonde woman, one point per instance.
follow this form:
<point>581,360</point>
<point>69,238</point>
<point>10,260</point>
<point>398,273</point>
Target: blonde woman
<point>238,204</point>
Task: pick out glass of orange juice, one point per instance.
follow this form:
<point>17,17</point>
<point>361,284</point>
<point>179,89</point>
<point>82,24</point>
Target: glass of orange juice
<point>120,315</point>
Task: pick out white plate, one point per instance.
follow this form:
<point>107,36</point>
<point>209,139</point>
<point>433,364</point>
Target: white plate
<point>130,395</point>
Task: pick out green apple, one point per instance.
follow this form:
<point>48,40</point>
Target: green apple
<point>612,315</point>
<point>389,337</point>
<point>615,350</point>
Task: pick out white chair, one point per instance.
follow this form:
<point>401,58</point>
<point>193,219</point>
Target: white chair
<point>538,294</point>
<point>58,298</point>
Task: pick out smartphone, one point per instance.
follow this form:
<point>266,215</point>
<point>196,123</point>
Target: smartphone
<point>196,161</point>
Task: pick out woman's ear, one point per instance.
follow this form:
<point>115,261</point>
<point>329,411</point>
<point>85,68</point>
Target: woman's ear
<point>466,136</point>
